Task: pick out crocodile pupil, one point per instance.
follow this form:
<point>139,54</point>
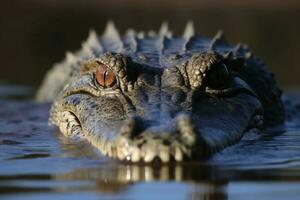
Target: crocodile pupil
<point>218,77</point>
<point>105,77</point>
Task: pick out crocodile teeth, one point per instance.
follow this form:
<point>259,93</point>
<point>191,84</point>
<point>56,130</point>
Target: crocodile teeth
<point>134,154</point>
<point>147,148</point>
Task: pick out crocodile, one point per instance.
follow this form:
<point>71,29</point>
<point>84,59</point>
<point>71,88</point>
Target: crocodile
<point>151,96</point>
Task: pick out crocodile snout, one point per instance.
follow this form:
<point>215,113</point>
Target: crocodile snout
<point>143,141</point>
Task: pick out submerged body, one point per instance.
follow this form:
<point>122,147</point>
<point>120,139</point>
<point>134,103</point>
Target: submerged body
<point>146,96</point>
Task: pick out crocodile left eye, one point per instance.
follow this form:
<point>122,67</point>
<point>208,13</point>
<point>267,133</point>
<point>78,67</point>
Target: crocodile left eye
<point>105,77</point>
<point>217,77</point>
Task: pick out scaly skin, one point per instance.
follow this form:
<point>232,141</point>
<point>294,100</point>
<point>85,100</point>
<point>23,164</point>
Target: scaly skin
<point>171,98</point>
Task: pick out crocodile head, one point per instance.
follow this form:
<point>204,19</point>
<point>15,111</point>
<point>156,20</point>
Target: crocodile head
<point>144,107</point>
<point>133,111</point>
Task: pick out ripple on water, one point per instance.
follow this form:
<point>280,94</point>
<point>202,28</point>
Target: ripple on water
<point>37,162</point>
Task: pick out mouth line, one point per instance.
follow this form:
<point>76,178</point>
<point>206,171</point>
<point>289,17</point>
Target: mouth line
<point>129,149</point>
<point>125,148</point>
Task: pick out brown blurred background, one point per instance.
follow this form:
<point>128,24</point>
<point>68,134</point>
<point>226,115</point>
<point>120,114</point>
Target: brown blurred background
<point>34,34</point>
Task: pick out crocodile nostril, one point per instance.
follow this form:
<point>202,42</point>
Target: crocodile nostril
<point>145,79</point>
<point>172,77</point>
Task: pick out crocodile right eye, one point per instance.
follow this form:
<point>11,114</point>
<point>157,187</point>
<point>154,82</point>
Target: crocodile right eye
<point>217,77</point>
<point>105,77</point>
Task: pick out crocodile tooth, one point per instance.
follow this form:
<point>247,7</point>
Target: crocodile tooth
<point>122,150</point>
<point>149,156</point>
<point>135,154</point>
<point>164,156</point>
<point>178,154</point>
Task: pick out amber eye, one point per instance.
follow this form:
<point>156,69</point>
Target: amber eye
<point>105,77</point>
<point>218,76</point>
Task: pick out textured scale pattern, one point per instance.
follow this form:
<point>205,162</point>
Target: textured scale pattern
<point>161,77</point>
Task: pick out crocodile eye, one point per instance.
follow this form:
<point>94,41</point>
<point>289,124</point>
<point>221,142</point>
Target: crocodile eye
<point>217,77</point>
<point>105,77</point>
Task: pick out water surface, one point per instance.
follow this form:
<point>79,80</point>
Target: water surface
<point>37,162</point>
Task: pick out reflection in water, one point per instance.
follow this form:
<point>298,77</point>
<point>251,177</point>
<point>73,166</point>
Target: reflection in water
<point>36,162</point>
<point>209,191</point>
<point>118,178</point>
<point>127,173</point>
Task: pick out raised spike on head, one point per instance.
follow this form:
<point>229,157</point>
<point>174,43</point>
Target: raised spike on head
<point>130,37</point>
<point>140,35</point>
<point>220,36</point>
<point>70,57</point>
<point>218,39</point>
<point>249,55</point>
<point>228,55</point>
<point>93,42</point>
<point>92,36</point>
<point>189,30</point>
<point>130,32</point>
<point>243,50</point>
<point>238,48</point>
<point>164,28</point>
<point>111,31</point>
<point>86,49</point>
<point>151,33</point>
<point>111,40</point>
